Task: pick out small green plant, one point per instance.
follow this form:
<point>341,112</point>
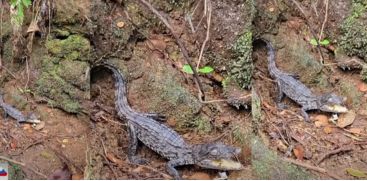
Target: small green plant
<point>204,70</point>
<point>324,42</point>
<point>19,6</point>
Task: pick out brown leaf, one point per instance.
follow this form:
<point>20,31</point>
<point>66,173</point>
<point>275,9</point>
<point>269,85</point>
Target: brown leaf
<point>113,159</point>
<point>33,27</point>
<point>346,119</point>
<point>298,152</point>
<point>321,120</point>
<point>362,87</point>
<point>13,144</point>
<point>156,44</point>
<point>328,129</point>
<point>356,130</point>
<point>199,176</point>
<point>77,177</point>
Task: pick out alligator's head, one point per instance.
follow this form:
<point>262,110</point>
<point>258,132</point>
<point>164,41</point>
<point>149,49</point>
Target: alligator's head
<point>216,156</point>
<point>32,118</point>
<point>332,103</point>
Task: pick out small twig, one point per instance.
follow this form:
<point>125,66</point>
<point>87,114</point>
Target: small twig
<point>27,69</point>
<point>333,152</point>
<point>224,100</point>
<point>311,30</point>
<point>207,37</point>
<point>180,44</point>
<point>310,167</point>
<point>9,72</point>
<point>325,19</point>
<point>11,160</point>
<point>108,162</point>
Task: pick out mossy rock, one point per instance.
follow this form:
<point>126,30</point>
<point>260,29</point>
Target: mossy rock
<point>353,39</point>
<point>242,67</point>
<point>60,93</point>
<point>75,47</point>
<point>74,72</point>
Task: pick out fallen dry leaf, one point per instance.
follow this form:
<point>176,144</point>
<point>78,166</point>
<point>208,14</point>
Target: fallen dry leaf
<point>356,173</point>
<point>120,24</point>
<point>155,44</point>
<point>199,176</point>
<point>298,152</point>
<point>328,129</point>
<point>362,87</point>
<point>346,119</point>
<point>321,117</point>
<point>138,169</point>
<point>113,159</point>
<point>356,130</point>
<point>33,27</point>
<point>13,144</point>
<point>77,177</point>
<point>321,120</point>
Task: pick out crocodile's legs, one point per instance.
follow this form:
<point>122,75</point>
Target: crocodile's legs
<point>133,145</point>
<point>305,115</point>
<point>155,116</point>
<point>172,170</point>
<point>280,96</point>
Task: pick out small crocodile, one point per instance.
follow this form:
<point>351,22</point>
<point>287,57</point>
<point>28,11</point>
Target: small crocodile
<point>164,140</point>
<point>16,114</point>
<point>289,85</point>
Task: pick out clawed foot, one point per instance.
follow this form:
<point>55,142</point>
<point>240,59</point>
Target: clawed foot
<point>282,106</point>
<point>138,161</point>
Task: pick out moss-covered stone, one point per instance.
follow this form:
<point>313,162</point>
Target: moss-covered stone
<point>349,90</point>
<point>63,78</point>
<point>242,67</point>
<point>267,165</point>
<point>353,39</point>
<point>75,47</point>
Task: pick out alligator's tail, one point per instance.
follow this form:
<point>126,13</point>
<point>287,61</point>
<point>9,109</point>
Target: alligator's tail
<point>122,104</point>
<point>273,70</point>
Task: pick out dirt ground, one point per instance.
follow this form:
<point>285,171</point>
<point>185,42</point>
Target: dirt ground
<point>93,143</point>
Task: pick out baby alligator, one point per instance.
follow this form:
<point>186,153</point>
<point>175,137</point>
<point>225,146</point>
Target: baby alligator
<point>16,114</point>
<point>294,89</point>
<point>165,141</point>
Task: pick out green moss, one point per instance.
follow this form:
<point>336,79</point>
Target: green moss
<point>60,93</point>
<point>353,39</point>
<point>255,108</point>
<point>61,33</point>
<point>74,73</point>
<point>202,125</point>
<point>75,47</point>
<point>348,90</point>
<point>267,165</point>
<point>15,172</point>
<point>242,67</point>
<point>364,73</point>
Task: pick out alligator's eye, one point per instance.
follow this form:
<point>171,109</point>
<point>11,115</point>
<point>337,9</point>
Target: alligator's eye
<point>214,152</point>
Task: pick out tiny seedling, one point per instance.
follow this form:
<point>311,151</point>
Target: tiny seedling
<point>204,70</point>
<point>324,42</point>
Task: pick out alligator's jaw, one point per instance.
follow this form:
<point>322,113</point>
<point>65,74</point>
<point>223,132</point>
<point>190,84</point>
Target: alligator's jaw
<point>221,164</point>
<point>335,108</point>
